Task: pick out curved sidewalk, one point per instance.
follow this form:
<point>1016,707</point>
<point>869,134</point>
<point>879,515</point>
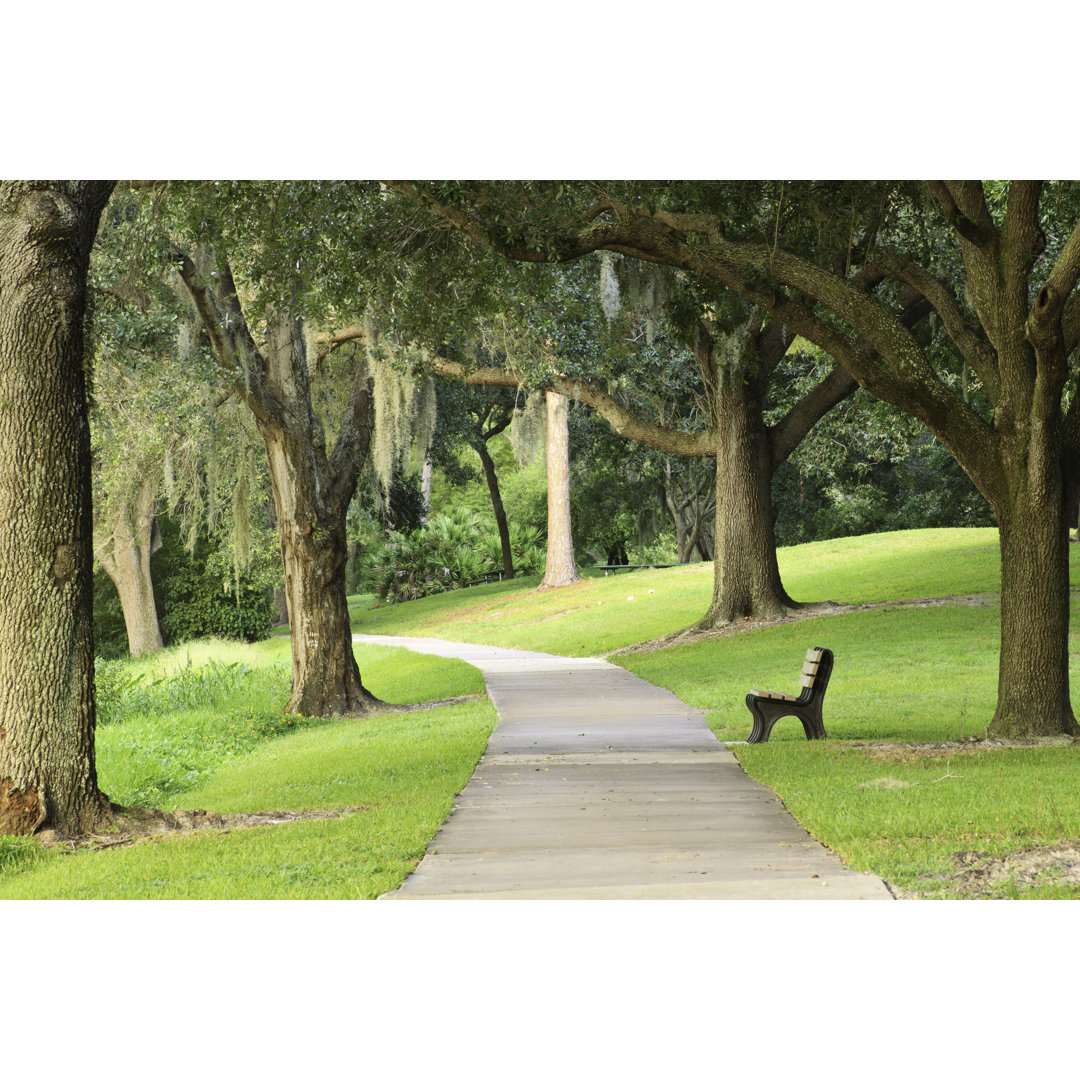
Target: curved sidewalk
<point>598,785</point>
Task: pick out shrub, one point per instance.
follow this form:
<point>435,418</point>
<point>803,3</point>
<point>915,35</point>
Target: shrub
<point>451,551</point>
<point>197,596</point>
<point>526,546</point>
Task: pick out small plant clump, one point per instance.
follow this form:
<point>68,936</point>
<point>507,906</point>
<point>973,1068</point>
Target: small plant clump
<point>450,552</point>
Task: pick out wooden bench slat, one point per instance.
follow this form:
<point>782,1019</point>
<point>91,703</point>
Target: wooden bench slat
<point>772,696</point>
<point>813,654</point>
<point>807,680</point>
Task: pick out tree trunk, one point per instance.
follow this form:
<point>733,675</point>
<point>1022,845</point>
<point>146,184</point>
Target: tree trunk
<point>425,483</point>
<point>684,544</point>
<point>498,509</point>
<point>561,566</point>
<point>1033,672</point>
<point>125,557</point>
<point>47,710</point>
<point>311,505</point>
<point>746,577</point>
<point>326,678</point>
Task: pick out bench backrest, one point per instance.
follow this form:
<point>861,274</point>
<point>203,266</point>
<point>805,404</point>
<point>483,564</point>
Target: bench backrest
<point>816,670</point>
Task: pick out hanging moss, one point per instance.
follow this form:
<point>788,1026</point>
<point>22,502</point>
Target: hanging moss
<point>528,428</point>
<point>426,416</point>
<point>395,403</point>
<point>609,285</point>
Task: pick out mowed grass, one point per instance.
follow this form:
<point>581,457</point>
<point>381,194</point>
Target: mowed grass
<point>912,817</point>
<point>396,773</point>
<point>601,614</point>
<point>907,674</point>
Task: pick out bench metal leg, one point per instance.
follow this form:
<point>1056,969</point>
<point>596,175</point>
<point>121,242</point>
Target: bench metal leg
<point>766,711</point>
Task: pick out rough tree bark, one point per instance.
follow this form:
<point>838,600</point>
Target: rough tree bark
<point>311,489</point>
<point>47,708</point>
<point>746,578</point>
<point>561,566</point>
<point>125,557</point>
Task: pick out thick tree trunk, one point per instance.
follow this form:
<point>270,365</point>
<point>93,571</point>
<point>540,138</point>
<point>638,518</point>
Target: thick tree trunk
<point>311,508</point>
<point>326,678</point>
<point>126,559</point>
<point>498,509</point>
<point>561,566</point>
<point>47,711</point>
<point>746,577</point>
<point>1033,672</point>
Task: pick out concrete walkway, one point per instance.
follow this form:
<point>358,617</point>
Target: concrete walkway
<point>598,785</point>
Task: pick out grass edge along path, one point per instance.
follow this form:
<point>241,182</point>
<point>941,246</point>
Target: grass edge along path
<point>400,771</point>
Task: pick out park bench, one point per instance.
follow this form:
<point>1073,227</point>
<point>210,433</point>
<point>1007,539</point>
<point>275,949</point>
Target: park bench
<point>767,707</point>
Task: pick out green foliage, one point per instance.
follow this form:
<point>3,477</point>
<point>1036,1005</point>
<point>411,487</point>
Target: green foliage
<point>124,691</point>
<point>451,551</point>
<point>199,594</point>
<point>865,468</point>
<point>526,546</point>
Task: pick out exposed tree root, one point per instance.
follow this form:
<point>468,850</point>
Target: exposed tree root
<point>699,632</point>
<point>132,825</point>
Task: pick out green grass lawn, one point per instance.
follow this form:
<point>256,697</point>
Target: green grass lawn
<point>202,725</point>
<point>602,614</point>
<point>210,734</point>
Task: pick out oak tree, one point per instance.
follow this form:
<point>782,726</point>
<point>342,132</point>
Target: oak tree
<point>48,774</point>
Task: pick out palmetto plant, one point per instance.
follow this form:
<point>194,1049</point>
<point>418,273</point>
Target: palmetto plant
<point>451,551</point>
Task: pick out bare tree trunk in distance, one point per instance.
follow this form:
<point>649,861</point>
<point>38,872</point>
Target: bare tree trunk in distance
<point>48,775</point>
<point>561,566</point>
<point>125,557</point>
<point>497,509</point>
<point>425,483</point>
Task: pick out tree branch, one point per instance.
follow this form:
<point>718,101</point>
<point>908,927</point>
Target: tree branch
<point>979,354</point>
<point>979,233</point>
<point>1055,293</point>
<point>883,356</point>
<point>787,433</point>
<point>332,339</point>
<point>622,421</point>
<point>235,348</point>
<point>354,438</point>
